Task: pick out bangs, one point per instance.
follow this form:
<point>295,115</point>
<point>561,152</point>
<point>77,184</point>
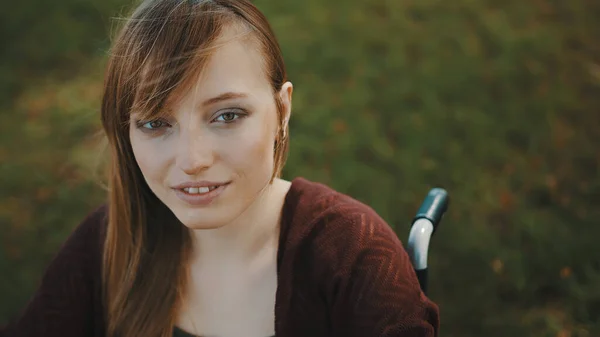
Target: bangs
<point>167,45</point>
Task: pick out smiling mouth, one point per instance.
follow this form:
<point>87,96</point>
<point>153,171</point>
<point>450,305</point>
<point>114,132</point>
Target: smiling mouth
<point>199,190</point>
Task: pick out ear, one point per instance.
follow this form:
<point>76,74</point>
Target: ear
<point>285,94</point>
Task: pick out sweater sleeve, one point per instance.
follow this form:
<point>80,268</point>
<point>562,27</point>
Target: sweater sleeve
<point>62,305</point>
<point>373,289</point>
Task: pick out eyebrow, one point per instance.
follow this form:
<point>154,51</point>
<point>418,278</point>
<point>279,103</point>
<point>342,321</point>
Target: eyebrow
<point>224,97</point>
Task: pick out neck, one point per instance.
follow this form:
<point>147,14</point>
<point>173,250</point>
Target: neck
<point>255,229</point>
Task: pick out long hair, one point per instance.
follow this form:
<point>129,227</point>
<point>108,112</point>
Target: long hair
<point>161,48</point>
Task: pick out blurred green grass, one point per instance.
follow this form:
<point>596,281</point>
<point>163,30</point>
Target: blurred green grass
<point>497,102</point>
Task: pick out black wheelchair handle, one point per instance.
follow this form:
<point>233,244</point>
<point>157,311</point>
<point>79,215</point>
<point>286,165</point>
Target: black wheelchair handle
<point>423,278</point>
<point>433,207</point>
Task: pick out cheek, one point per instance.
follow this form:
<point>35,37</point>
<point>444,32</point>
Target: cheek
<point>150,160</point>
<point>252,146</point>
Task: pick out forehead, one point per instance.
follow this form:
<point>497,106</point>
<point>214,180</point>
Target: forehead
<point>236,65</point>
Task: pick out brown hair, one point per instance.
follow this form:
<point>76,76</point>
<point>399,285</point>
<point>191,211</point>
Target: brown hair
<point>160,48</point>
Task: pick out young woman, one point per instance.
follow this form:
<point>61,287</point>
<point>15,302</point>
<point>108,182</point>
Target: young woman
<point>200,236</point>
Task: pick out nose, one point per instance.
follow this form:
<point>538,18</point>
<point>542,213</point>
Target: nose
<point>195,153</point>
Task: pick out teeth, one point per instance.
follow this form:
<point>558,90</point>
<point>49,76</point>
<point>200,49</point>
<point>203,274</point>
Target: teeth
<point>199,190</point>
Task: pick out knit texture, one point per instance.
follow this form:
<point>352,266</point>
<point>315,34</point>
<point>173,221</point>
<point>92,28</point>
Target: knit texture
<point>342,272</point>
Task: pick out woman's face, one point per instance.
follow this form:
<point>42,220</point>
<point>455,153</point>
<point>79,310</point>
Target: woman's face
<point>213,155</point>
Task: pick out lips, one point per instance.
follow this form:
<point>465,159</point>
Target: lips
<point>199,190</point>
<point>199,193</point>
<point>199,185</point>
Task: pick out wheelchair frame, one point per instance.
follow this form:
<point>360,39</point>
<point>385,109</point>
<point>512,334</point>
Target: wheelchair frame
<point>424,225</point>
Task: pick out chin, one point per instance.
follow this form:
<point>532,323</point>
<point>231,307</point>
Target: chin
<point>200,218</point>
<point>199,225</point>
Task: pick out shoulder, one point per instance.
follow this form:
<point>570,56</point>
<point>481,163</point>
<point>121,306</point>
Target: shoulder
<point>68,298</point>
<point>91,230</point>
<point>337,226</point>
<point>95,221</point>
<point>343,248</point>
<point>78,262</point>
<point>82,248</point>
<point>316,206</point>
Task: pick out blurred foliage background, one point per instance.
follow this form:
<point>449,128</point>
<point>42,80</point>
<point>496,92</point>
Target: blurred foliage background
<point>498,102</point>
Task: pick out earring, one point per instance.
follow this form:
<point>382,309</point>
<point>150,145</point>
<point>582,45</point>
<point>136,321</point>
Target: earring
<point>284,127</point>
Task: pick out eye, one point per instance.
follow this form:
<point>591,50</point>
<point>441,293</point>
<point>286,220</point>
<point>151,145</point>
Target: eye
<point>152,125</point>
<point>229,117</point>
